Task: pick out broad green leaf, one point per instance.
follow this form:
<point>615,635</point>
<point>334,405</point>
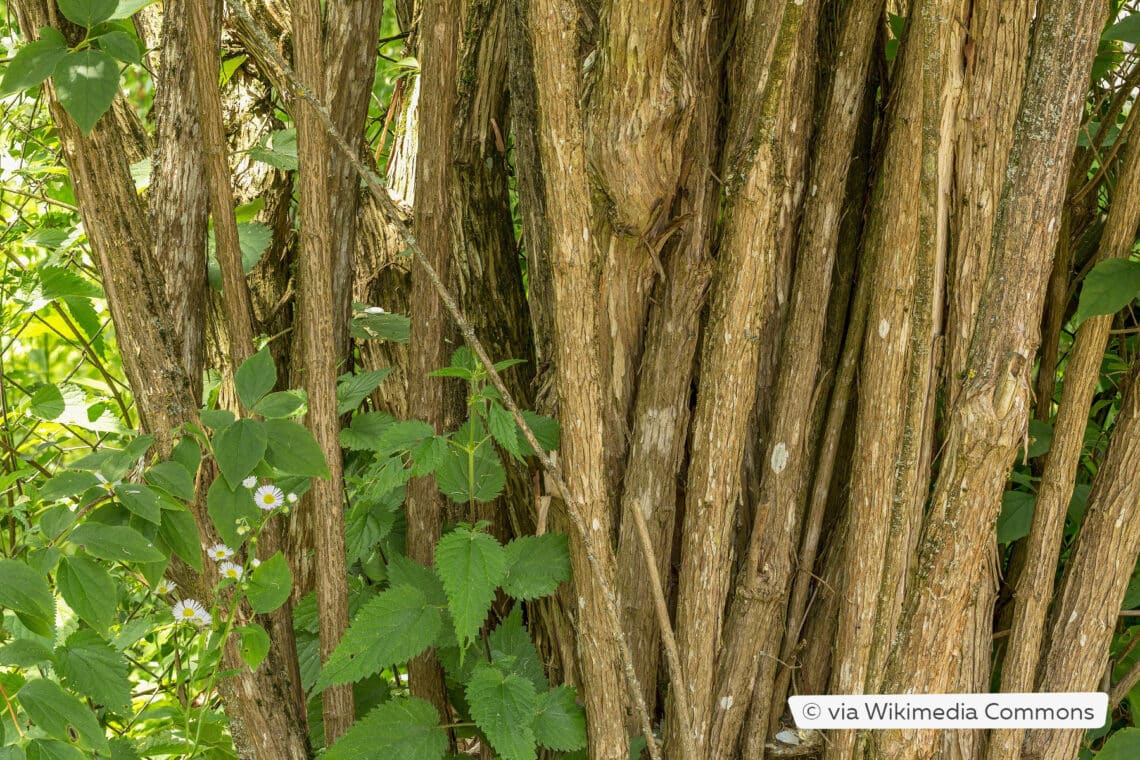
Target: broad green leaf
<point>511,643</point>
<point>115,543</point>
<point>50,749</point>
<point>88,320</point>
<point>1040,438</point>
<point>180,532</point>
<point>366,523</point>
<point>255,377</point>
<point>46,403</point>
<point>1109,287</point>
<point>545,429</point>
<point>86,83</point>
<point>122,46</point>
<point>228,507</point>
<point>352,389</point>
<point>25,591</point>
<point>253,238</point>
<point>1121,745</point>
<point>58,282</point>
<point>428,454</point>
<point>254,644</point>
<point>504,708</point>
<point>282,404</point>
<point>393,627</point>
<point>478,478</point>
<point>471,564</point>
<point>270,584</point>
<point>293,450</point>
<point>405,728</point>
<point>365,430</point>
<point>503,427</point>
<point>239,448</point>
<point>67,483</point>
<point>87,12</point>
<point>368,322</point>
<point>59,713</point>
<point>216,418</point>
<point>1126,29</point>
<point>172,478</point>
<point>279,150</point>
<point>560,722</point>
<point>141,500</point>
<point>536,565</point>
<point>1016,516</point>
<point>33,63</point>
<point>128,8</point>
<point>89,590</point>
<point>94,668</point>
<point>188,454</point>
<point>403,571</point>
<point>24,653</point>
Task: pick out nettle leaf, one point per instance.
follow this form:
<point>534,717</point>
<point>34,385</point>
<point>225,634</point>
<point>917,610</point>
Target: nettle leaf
<point>255,377</point>
<point>428,454</point>
<point>172,478</point>
<point>227,507</point>
<point>46,403</point>
<point>254,644</point>
<point>140,500</point>
<point>546,432</point>
<point>270,584</point>
<point>393,627</point>
<point>1016,516</point>
<point>293,449</point>
<point>536,565</point>
<point>480,478</point>
<point>560,722</point>
<point>365,430</point>
<point>92,667</point>
<point>513,651</point>
<point>504,429</point>
<point>239,448</point>
<point>504,707</point>
<point>115,543</point>
<point>87,12</point>
<point>180,532</point>
<point>407,728</point>
<point>24,653</point>
<point>471,564</point>
<point>88,589</point>
<point>86,83</point>
<point>25,592</point>
<point>60,714</point>
<point>279,150</point>
<point>1109,287</point>
<point>366,523</point>
<point>282,404</point>
<point>351,389</point>
<point>34,62</point>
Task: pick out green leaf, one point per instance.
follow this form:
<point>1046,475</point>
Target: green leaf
<point>122,46</point>
<point>255,377</point>
<point>368,323</point>
<point>1121,745</point>
<point>47,403</point>
<point>283,404</point>
<point>58,282</point>
<point>471,564</point>
<point>536,565</point>
<point>279,150</point>
<point>461,480</point>
<point>128,8</point>
<point>270,584</point>
<point>513,651</point>
<point>86,83</point>
<point>504,707</point>
<point>24,653</point>
<point>293,449</point>
<point>239,448</point>
<point>88,589</point>
<point>428,454</point>
<point>59,713</point>
<point>253,238</point>
<point>25,591</point>
<point>1109,287</point>
<point>1016,516</point>
<point>504,429</point>
<point>1040,438</point>
<point>351,389</point>
<point>87,12</point>
<point>365,430</point>
<point>180,532</point>
<point>33,63</point>
<point>216,418</point>
<point>115,543</point>
<point>393,627</point>
<point>545,429</point>
<point>254,644</point>
<point>1126,29</point>
<point>172,478</point>
<point>229,506</point>
<point>405,728</point>
<point>67,483</point>
<point>94,668</point>
<point>188,454</point>
<point>560,722</point>
<point>141,500</point>
<point>50,749</point>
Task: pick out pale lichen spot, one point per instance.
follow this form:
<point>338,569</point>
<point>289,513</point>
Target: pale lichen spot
<point>726,702</point>
<point>884,328</point>
<point>595,524</point>
<point>581,602</point>
<point>779,457</point>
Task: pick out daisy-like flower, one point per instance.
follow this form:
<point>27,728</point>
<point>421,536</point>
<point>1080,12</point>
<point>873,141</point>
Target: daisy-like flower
<point>191,611</point>
<point>250,482</point>
<point>291,498</point>
<point>230,570</point>
<point>255,563</point>
<point>269,497</point>
<point>219,552</point>
<point>165,587</point>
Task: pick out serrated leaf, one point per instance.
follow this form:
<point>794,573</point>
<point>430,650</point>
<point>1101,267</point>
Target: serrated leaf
<point>46,403</point>
<point>239,448</point>
<point>172,478</point>
<point>504,429</point>
<point>471,564</point>
<point>365,430</point>
<point>86,83</point>
<point>393,627</point>
<point>279,150</point>
<point>504,707</point>
<point>405,728</point>
<point>404,571</point>
<point>255,377</point>
<point>427,455</point>
<point>560,722</point>
<point>293,449</point>
<point>254,644</point>
<point>33,63</point>
<point>227,507</point>
<point>1109,287</point>
<point>24,653</point>
<point>115,543</point>
<point>25,591</point>
<point>94,668</point>
<point>59,713</point>
<point>536,565</point>
<point>546,432</point>
<point>510,642</point>
<point>140,500</point>
<point>270,584</point>
<point>351,389</point>
<point>480,478</point>
<point>88,589</point>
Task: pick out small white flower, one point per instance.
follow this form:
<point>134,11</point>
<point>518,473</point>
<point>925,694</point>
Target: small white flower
<point>291,498</point>
<point>250,482</point>
<point>230,570</point>
<point>107,484</point>
<point>191,611</point>
<point>219,552</point>
<point>269,497</point>
<point>255,563</point>
<point>165,587</point>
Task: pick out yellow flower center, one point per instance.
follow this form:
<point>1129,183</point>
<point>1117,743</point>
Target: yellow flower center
<point>187,612</point>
